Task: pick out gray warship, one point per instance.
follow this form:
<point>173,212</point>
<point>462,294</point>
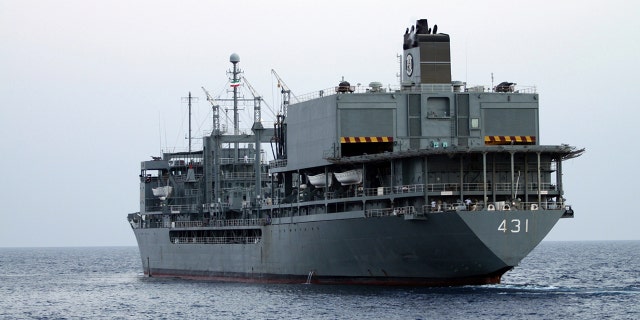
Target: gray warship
<point>431,183</point>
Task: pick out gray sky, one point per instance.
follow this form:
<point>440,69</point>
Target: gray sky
<point>88,89</point>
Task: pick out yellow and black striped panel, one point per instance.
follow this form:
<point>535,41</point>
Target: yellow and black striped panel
<point>509,140</point>
<point>365,139</point>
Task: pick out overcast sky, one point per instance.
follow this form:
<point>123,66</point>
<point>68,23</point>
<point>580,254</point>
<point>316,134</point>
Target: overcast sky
<point>88,89</point>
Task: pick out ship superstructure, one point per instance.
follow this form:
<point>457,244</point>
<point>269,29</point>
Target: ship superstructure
<point>430,183</point>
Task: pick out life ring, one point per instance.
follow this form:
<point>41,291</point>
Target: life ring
<point>534,207</point>
<point>506,207</point>
<point>491,207</point>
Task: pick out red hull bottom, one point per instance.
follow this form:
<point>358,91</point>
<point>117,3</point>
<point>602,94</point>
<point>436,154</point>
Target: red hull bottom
<point>493,278</point>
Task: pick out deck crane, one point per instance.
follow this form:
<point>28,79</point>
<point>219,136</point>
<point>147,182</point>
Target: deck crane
<point>216,112</point>
<point>256,101</point>
<point>280,127</point>
<point>286,93</point>
<point>258,131</point>
<point>213,165</point>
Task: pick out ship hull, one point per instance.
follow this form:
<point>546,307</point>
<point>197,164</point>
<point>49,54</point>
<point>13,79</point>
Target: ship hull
<point>437,249</point>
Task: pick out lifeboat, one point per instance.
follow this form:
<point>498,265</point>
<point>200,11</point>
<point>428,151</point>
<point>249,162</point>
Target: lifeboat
<point>349,177</point>
<point>320,180</point>
<point>162,192</point>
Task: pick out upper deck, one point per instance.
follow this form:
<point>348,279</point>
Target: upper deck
<point>426,111</point>
<point>376,87</point>
<point>354,121</point>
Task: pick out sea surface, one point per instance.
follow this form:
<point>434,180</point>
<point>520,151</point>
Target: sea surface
<point>558,280</point>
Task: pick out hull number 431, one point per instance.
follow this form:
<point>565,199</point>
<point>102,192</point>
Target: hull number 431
<point>514,226</point>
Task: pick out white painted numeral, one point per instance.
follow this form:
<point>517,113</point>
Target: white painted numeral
<point>513,226</point>
<point>516,226</point>
<point>503,226</point>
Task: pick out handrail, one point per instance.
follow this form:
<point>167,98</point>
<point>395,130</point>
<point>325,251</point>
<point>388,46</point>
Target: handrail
<point>215,240</point>
<point>420,188</point>
<point>220,223</point>
<point>187,224</point>
<point>238,175</point>
<point>397,211</point>
<point>278,163</point>
<point>496,206</point>
<point>419,88</point>
<point>239,160</point>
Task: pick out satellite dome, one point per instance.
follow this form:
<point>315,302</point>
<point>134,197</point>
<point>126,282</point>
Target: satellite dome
<point>234,58</point>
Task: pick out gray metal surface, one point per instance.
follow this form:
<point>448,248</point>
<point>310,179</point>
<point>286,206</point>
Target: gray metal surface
<point>447,246</point>
<point>451,187</point>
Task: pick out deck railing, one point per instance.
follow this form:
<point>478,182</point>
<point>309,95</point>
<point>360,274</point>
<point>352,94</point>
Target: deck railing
<point>420,188</point>
<point>215,240</point>
<point>383,212</point>
<point>220,223</point>
<point>391,89</point>
<point>187,224</point>
<point>495,206</point>
<point>278,163</point>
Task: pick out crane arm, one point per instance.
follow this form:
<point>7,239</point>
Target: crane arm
<point>286,93</point>
<point>209,98</point>
<point>253,91</point>
<point>216,111</point>
<point>283,85</point>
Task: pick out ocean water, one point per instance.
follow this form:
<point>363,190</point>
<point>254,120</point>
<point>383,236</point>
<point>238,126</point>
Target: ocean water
<point>558,280</point>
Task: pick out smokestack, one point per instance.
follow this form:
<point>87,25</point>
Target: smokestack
<point>427,56</point>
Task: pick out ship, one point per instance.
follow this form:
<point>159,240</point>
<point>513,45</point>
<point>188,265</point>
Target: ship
<point>430,182</point>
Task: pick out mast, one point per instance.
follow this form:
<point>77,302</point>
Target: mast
<point>189,122</point>
<point>235,81</point>
<point>214,163</point>
<point>257,129</point>
<point>188,99</point>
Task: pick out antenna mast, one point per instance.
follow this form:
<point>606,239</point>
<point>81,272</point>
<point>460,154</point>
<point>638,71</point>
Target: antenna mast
<point>188,99</point>
<point>235,82</point>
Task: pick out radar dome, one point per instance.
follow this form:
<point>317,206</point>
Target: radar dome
<point>234,58</point>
